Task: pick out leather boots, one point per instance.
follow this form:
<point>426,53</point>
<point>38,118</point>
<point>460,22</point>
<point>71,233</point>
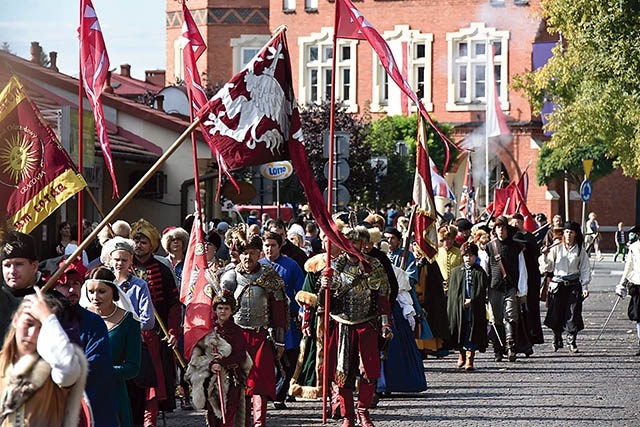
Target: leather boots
<point>468,366</point>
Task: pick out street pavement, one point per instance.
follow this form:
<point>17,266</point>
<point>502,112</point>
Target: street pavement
<point>596,387</point>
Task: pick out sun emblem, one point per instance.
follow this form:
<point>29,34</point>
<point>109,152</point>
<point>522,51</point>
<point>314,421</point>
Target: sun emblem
<point>17,157</point>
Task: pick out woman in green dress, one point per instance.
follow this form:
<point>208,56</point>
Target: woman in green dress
<point>124,334</point>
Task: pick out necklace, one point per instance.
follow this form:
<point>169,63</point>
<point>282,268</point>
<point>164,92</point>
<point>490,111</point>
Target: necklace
<point>115,308</point>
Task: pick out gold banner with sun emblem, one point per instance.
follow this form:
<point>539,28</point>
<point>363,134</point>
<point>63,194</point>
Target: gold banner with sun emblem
<point>36,173</point>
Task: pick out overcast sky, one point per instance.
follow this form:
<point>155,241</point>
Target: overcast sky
<point>134,31</point>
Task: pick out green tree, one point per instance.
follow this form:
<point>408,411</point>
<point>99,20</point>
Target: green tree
<point>552,163</point>
<point>592,80</point>
<point>315,120</point>
<point>385,134</point>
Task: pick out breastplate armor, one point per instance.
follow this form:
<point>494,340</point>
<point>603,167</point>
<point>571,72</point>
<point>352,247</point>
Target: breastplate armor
<point>252,300</point>
<point>353,298</point>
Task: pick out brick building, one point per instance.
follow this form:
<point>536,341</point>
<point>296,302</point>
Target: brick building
<point>441,48</point>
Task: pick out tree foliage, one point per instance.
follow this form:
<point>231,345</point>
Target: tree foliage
<point>315,120</point>
<point>592,80</point>
<point>383,139</point>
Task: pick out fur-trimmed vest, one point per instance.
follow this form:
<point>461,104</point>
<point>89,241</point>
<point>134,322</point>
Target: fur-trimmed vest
<point>31,398</point>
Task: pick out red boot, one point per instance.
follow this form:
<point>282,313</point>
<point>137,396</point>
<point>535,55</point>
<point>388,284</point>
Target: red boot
<point>259,411</point>
<point>365,396</point>
<point>346,406</point>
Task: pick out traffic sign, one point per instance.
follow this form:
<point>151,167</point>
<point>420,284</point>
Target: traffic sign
<point>341,197</point>
<point>587,164</point>
<point>340,171</point>
<point>586,190</point>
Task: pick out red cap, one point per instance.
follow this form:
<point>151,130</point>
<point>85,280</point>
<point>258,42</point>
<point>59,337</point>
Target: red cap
<point>75,267</point>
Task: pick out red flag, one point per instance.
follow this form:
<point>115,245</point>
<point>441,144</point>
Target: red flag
<point>36,173</point>
<point>194,47</point>
<point>351,24</point>
<point>94,66</point>
<point>195,292</point>
<point>425,216</point>
<point>254,119</point>
<point>496,121</point>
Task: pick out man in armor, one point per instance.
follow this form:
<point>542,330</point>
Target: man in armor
<point>359,308</point>
<point>259,292</point>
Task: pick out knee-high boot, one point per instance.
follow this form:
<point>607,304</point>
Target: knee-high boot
<point>346,406</point>
<point>365,396</point>
<point>259,411</point>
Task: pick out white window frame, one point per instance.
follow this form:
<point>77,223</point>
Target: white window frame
<point>381,83</point>
<point>240,44</point>
<point>476,33</point>
<point>310,5</point>
<point>288,5</point>
<point>321,66</point>
<point>178,69</point>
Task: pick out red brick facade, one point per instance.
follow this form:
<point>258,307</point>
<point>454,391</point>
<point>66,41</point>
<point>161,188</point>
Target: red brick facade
<point>439,19</point>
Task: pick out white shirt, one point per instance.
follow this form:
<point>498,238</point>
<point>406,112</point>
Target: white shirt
<point>563,261</point>
<point>632,266</point>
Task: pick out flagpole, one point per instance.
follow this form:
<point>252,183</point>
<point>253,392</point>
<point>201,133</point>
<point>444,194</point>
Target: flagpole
<point>328,272</point>
<point>80,199</point>
<point>121,204</point>
<point>487,177</point>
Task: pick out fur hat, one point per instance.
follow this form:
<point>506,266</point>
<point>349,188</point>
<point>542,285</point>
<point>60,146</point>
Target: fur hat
<point>224,299</point>
<point>469,248</point>
<point>116,244</point>
<point>18,245</point>
<point>175,233</point>
<point>238,240</point>
<point>144,227</point>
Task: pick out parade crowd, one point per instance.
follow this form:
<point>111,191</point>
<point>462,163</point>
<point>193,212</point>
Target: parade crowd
<point>104,344</point>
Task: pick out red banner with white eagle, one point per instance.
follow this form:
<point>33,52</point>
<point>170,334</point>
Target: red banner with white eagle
<point>254,119</point>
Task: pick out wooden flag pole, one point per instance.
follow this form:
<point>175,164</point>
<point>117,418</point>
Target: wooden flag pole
<point>123,202</point>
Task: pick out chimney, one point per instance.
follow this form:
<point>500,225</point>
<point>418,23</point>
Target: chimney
<point>36,51</point>
<point>53,61</point>
<point>160,102</point>
<point>155,77</point>
<point>107,88</point>
<point>125,70</point>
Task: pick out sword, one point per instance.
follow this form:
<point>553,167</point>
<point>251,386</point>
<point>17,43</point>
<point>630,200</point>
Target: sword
<point>615,304</point>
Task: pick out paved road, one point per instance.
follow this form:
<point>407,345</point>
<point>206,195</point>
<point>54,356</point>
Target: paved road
<point>596,387</point>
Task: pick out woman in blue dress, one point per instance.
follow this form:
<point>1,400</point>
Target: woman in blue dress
<point>124,334</point>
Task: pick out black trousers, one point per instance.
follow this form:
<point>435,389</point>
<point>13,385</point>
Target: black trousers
<point>565,309</point>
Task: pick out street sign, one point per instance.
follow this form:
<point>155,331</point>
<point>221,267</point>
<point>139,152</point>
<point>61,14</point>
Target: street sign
<point>379,163</point>
<point>341,197</point>
<point>341,149</point>
<point>587,164</point>
<point>586,190</point>
<point>277,170</point>
<point>340,172</point>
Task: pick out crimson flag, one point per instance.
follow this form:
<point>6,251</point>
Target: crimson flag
<point>36,173</point>
<point>496,121</point>
<point>193,47</point>
<point>351,24</point>
<point>254,119</point>
<point>195,292</point>
<point>94,66</point>
<point>425,215</point>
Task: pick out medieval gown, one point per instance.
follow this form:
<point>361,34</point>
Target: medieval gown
<point>126,345</point>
